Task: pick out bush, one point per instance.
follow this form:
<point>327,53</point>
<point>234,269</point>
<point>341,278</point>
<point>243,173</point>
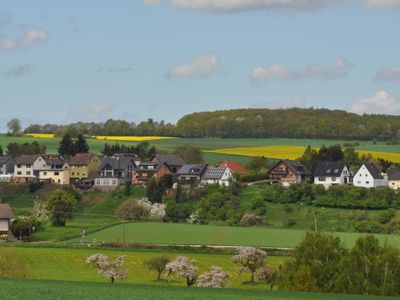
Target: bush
<point>22,227</point>
<point>386,216</point>
<point>132,210</point>
<point>251,220</point>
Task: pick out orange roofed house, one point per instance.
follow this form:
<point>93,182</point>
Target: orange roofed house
<point>288,172</point>
<point>233,166</point>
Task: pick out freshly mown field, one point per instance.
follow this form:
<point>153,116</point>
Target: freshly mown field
<point>188,234</point>
<point>55,290</point>
<point>210,144</point>
<point>45,263</point>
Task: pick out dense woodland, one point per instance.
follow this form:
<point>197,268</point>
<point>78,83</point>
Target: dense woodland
<point>249,123</point>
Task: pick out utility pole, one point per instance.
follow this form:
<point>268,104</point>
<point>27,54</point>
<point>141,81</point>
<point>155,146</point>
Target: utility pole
<point>123,228</point>
<point>315,222</point>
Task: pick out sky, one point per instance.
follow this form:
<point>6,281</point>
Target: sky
<point>68,61</point>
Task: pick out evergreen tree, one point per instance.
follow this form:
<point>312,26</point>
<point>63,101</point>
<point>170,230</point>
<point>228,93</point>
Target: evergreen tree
<point>66,147</point>
<point>81,145</point>
<point>1,151</point>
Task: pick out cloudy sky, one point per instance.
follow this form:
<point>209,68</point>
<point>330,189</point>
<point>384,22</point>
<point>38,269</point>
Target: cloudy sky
<point>64,61</point>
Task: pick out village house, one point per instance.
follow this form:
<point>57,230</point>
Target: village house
<point>221,176</point>
<point>370,176</point>
<point>57,170</point>
<point>6,168</point>
<point>27,167</point>
<point>233,166</point>
<point>191,174</point>
<point>132,156</point>
<point>146,170</point>
<point>114,171</point>
<point>6,217</point>
<point>173,161</point>
<point>288,172</point>
<point>84,166</point>
<point>394,178</point>
<point>332,173</point>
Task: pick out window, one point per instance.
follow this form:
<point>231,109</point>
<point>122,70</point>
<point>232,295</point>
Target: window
<point>321,178</point>
<point>56,173</point>
<point>114,182</point>
<point>19,173</point>
<point>73,173</point>
<point>359,182</point>
<point>44,173</point>
<point>333,178</point>
<point>28,173</point>
<point>98,182</point>
<point>367,182</point>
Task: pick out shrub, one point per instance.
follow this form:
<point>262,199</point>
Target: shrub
<point>251,220</point>
<point>132,210</point>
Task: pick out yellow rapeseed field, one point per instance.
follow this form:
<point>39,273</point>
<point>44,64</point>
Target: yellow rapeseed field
<point>41,135</point>
<point>131,138</point>
<point>294,152</point>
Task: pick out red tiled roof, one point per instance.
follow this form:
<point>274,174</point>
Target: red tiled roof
<point>233,166</point>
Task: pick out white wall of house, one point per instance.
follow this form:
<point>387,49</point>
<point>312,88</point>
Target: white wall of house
<point>363,178</point>
<point>107,184</point>
<point>224,180</point>
<point>394,184</point>
<point>4,225</point>
<point>55,176</point>
<point>327,181</point>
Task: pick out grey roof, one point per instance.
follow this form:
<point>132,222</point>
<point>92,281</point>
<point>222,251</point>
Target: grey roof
<point>329,169</point>
<point>54,160</point>
<point>146,166</point>
<point>169,159</point>
<point>26,159</point>
<point>295,166</point>
<point>394,174</point>
<point>116,163</point>
<point>5,159</point>
<point>374,171</point>
<point>214,173</point>
<point>6,212</point>
<point>197,169</point>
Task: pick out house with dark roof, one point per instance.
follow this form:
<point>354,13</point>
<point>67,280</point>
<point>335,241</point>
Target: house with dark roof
<point>370,176</point>
<point>233,166</point>
<point>329,173</point>
<point>191,174</point>
<point>6,217</point>
<point>56,170</point>
<point>173,161</point>
<point>6,168</point>
<point>113,172</point>
<point>27,167</point>
<point>288,172</point>
<point>142,174</point>
<point>221,176</point>
<point>84,166</point>
<point>394,178</point>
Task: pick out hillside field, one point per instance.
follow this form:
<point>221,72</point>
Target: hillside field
<point>54,290</point>
<point>219,144</point>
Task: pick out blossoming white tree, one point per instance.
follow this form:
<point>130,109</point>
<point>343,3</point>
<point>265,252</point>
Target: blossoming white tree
<point>113,269</point>
<point>216,278</point>
<point>183,267</point>
<point>250,260</point>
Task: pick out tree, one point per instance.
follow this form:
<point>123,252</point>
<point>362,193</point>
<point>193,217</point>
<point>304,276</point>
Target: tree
<point>66,147</point>
<point>61,205</point>
<point>132,210</point>
<point>268,274</point>
<point>157,264</point>
<point>81,145</point>
<point>258,164</point>
<point>1,151</point>
<point>251,220</point>
<point>183,267</point>
<point>250,260</point>
<point>14,126</point>
<point>216,278</point>
<point>113,269</point>
<point>155,192</point>
<point>190,154</point>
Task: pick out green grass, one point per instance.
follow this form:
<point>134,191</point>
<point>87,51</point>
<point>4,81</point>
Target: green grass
<point>21,204</point>
<point>57,290</point>
<point>69,264</point>
<point>187,234</point>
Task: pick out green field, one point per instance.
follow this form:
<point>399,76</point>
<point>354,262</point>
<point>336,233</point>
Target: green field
<point>187,234</point>
<point>207,144</point>
<point>55,290</point>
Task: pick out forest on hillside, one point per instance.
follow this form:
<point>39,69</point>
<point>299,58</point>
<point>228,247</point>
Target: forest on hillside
<point>249,123</point>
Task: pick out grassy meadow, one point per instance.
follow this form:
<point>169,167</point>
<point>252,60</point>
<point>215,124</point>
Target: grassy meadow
<point>55,290</point>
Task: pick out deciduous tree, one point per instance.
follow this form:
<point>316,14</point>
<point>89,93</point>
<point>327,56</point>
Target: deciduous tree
<point>250,259</point>
<point>113,269</point>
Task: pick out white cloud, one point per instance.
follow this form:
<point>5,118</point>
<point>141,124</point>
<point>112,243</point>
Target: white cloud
<point>29,39</point>
<point>203,65</point>
<point>241,5</point>
<point>90,113</point>
<point>284,103</point>
<point>389,74</point>
<point>383,3</point>
<point>18,71</point>
<point>260,75</point>
<point>382,102</point>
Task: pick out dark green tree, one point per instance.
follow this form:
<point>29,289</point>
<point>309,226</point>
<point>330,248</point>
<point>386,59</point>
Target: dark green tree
<point>190,154</point>
<point>1,151</point>
<point>81,145</point>
<point>66,147</point>
<point>61,205</point>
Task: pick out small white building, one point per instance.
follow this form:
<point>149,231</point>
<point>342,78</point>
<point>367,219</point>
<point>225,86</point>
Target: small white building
<point>221,176</point>
<point>6,217</point>
<point>394,178</point>
<point>369,176</point>
<point>332,173</point>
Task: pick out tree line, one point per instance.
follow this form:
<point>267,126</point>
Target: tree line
<point>246,123</point>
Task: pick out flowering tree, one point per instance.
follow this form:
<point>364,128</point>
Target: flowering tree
<point>183,267</point>
<point>250,260</point>
<point>113,269</point>
<point>268,274</point>
<point>216,278</point>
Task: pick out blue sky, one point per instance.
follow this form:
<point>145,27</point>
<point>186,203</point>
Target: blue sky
<point>64,61</point>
